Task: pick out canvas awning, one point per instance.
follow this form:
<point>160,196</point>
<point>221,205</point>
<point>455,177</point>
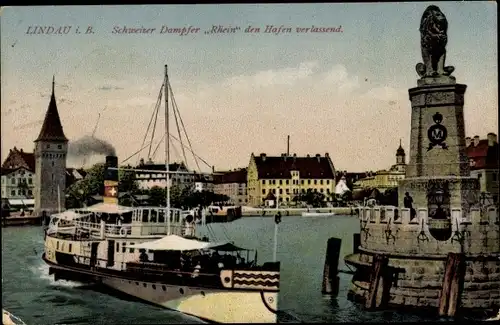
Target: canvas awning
<point>22,202</point>
<point>177,243</point>
<point>228,247</point>
<point>108,208</point>
<point>70,215</point>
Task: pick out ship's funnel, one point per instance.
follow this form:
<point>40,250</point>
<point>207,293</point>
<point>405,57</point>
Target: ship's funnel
<point>111,180</point>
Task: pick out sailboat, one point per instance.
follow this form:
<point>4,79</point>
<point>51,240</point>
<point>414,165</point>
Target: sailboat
<point>153,253</point>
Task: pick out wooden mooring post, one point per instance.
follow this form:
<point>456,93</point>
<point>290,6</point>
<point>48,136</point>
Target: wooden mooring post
<point>379,282</point>
<point>356,242</point>
<point>330,271</point>
<point>453,281</point>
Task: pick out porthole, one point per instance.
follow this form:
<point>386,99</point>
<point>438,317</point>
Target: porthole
<point>154,287</point>
<point>181,291</point>
<point>164,288</point>
<point>227,279</point>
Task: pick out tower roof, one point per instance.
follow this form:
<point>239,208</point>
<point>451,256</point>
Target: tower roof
<point>400,151</point>
<point>52,129</point>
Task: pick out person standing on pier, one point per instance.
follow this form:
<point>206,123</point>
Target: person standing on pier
<point>408,203</point>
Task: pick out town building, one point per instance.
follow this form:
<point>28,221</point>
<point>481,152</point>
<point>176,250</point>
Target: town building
<point>383,180</point>
<point>203,182</point>
<point>286,177</point>
<point>51,148</point>
<point>484,165</point>
<point>233,184</point>
<point>149,175</point>
<point>18,175</point>
<point>18,179</point>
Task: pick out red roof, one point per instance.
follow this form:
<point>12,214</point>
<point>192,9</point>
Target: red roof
<point>308,167</point>
<point>52,129</point>
<point>484,155</point>
<point>19,158</point>
<point>233,176</point>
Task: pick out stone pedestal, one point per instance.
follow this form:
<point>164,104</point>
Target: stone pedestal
<point>437,144</point>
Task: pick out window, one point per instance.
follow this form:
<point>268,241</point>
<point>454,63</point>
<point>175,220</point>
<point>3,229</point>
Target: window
<point>131,250</point>
<point>30,181</point>
<point>117,247</point>
<point>263,182</point>
<point>320,182</point>
<point>59,146</point>
<point>124,249</point>
<point>302,182</point>
<point>47,146</point>
<point>13,192</point>
<point>57,244</point>
<point>70,247</point>
<point>309,181</point>
<point>52,163</point>
<point>52,176</point>
<point>13,181</point>
<point>281,182</point>
<point>327,182</point>
<point>287,182</point>
<point>315,182</point>
<point>281,191</point>
<point>495,177</point>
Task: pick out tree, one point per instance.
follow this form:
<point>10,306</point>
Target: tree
<point>316,199</point>
<point>157,196</point>
<point>389,197</point>
<point>93,184</point>
<point>127,182</point>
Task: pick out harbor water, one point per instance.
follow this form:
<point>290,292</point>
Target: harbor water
<point>31,294</point>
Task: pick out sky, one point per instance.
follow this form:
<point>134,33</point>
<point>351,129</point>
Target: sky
<point>345,93</point>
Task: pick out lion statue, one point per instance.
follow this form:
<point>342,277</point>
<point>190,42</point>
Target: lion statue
<point>433,39</point>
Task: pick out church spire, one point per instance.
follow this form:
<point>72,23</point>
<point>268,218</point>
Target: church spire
<point>52,129</point>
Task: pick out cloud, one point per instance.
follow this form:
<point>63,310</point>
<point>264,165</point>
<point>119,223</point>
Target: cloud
<point>269,78</point>
<point>109,87</point>
<point>324,108</point>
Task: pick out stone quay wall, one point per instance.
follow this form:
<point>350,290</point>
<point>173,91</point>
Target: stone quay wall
<point>421,262</point>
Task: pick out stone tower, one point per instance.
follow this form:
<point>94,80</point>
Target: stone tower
<point>51,148</point>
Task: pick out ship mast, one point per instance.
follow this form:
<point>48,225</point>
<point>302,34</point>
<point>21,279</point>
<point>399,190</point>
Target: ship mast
<point>167,151</point>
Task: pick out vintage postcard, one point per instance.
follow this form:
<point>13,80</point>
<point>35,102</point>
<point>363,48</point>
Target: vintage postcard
<point>250,163</point>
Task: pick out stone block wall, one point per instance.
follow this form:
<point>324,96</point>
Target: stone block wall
<point>420,282</point>
<point>390,230</point>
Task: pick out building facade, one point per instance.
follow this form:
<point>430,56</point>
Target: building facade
<point>51,148</point>
<point>203,182</point>
<point>286,177</point>
<point>483,162</point>
<point>149,179</point>
<point>18,175</point>
<point>383,180</point>
<point>232,184</point>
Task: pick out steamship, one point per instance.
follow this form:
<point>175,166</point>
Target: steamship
<point>155,254</point>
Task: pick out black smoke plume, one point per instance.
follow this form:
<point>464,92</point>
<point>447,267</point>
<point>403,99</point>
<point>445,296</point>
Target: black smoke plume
<point>90,146</point>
